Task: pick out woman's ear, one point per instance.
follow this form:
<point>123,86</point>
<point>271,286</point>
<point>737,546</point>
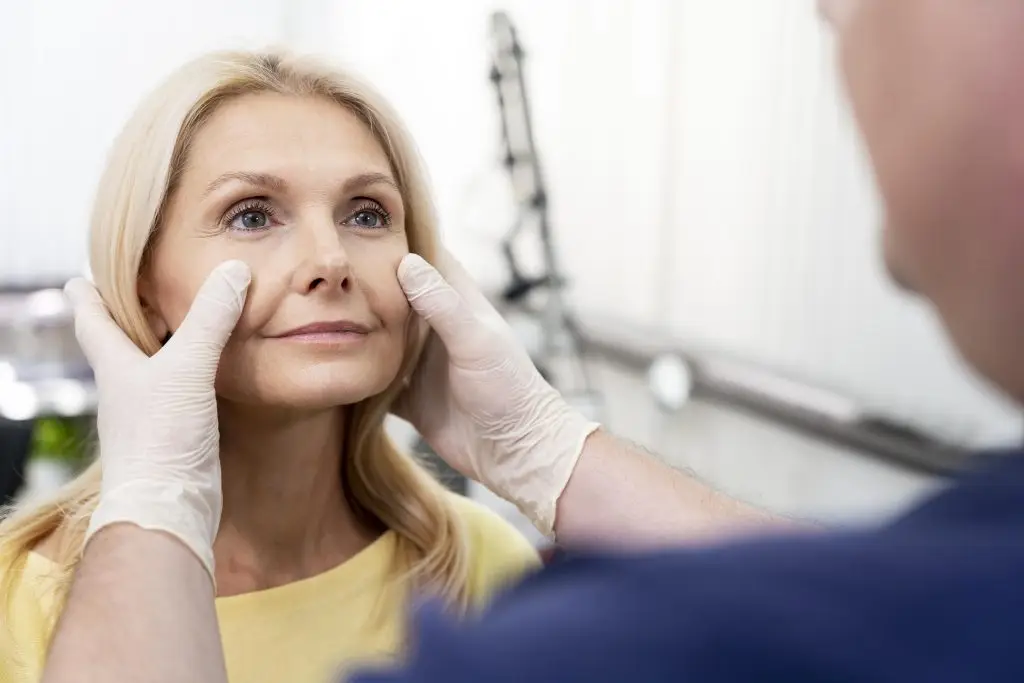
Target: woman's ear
<point>156,323</point>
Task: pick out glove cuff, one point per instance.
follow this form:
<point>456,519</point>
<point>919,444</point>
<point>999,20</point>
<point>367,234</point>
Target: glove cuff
<point>186,512</point>
<point>539,489</point>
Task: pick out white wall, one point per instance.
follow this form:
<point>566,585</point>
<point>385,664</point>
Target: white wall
<point>776,224</point>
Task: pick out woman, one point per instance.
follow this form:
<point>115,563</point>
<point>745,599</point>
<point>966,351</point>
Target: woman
<point>327,530</point>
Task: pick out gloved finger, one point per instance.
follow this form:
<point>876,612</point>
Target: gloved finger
<point>213,315</point>
<point>437,302</point>
<point>456,275</point>
<point>462,282</point>
<point>101,340</point>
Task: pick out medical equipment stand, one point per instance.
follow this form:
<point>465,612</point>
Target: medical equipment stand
<point>561,347</point>
<point>560,353</point>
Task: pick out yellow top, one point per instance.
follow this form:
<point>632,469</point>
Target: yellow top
<point>303,632</point>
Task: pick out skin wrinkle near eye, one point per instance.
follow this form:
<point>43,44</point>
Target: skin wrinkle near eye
<point>386,204</point>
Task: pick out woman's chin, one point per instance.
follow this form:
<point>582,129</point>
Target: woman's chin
<point>295,399</point>
<point>321,398</point>
<point>290,385</point>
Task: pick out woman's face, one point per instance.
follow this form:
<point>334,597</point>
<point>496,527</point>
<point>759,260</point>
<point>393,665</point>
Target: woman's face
<point>300,190</point>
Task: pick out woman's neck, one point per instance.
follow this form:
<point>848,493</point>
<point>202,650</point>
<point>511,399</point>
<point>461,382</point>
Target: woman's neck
<point>285,516</point>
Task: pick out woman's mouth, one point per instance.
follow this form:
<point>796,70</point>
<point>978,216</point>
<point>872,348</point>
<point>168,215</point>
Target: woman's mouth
<point>336,332</point>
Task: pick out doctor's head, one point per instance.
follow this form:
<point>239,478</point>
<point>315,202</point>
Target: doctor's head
<point>303,173</point>
<point>937,87</point>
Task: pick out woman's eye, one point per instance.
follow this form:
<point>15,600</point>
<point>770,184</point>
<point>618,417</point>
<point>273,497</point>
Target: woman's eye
<point>250,219</point>
<point>367,218</point>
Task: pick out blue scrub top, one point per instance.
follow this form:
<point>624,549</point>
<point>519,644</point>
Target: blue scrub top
<point>936,596</point>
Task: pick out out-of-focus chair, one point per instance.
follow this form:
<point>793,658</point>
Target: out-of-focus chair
<point>42,373</point>
<point>15,442</point>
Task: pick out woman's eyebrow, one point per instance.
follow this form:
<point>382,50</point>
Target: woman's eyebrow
<point>364,180</point>
<point>277,184</point>
<point>264,180</point>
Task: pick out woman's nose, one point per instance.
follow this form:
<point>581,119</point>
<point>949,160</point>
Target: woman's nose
<point>325,264</point>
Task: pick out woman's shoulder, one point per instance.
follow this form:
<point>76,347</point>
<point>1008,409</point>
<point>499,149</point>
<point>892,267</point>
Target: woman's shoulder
<point>28,585</point>
<point>498,553</point>
<point>26,598</point>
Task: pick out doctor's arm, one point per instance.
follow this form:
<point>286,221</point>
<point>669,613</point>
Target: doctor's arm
<point>141,605</point>
<point>622,495</point>
<point>141,610</point>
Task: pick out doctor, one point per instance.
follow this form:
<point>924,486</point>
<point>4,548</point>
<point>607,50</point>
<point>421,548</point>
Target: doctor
<point>938,89</point>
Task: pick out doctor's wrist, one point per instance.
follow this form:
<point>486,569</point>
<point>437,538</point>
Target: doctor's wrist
<point>184,511</point>
<point>538,474</point>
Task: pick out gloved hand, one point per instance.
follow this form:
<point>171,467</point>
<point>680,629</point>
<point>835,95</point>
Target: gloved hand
<point>157,419</point>
<point>480,402</point>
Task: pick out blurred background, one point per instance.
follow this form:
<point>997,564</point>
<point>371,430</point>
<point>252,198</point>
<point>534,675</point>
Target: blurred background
<point>696,260</point>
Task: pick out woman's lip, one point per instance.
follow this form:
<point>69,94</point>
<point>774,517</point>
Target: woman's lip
<point>332,328</point>
<point>335,338</point>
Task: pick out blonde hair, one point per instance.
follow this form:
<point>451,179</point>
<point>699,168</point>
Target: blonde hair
<point>382,485</point>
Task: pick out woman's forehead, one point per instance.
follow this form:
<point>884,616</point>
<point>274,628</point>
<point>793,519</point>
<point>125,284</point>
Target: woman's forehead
<point>285,137</point>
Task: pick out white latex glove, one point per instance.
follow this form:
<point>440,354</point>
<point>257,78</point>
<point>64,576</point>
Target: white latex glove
<point>157,419</point>
<point>480,402</point>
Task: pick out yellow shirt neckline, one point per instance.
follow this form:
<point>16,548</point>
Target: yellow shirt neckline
<point>367,561</point>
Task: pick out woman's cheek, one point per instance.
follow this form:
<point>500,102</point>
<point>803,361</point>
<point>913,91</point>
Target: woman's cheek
<point>388,301</point>
<point>180,269</point>
<point>174,300</point>
<point>260,301</point>
<point>376,267</point>
<point>272,271</point>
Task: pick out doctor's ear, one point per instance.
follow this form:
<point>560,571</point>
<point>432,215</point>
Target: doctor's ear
<point>156,323</point>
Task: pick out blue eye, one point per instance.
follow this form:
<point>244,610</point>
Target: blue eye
<point>252,220</point>
<point>367,219</point>
<point>251,216</point>
<point>370,216</point>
